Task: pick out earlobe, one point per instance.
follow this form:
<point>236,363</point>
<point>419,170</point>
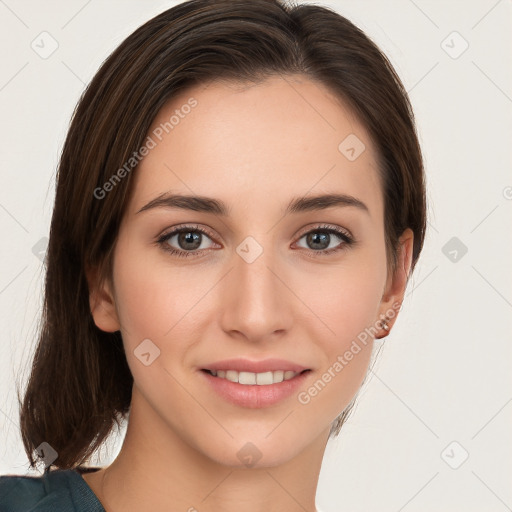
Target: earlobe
<point>102,303</point>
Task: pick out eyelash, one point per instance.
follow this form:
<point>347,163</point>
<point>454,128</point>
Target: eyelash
<point>163,239</point>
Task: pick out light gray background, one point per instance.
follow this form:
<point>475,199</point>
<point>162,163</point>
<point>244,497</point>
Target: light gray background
<point>444,372</point>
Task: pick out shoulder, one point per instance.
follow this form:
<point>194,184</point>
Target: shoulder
<point>54,491</point>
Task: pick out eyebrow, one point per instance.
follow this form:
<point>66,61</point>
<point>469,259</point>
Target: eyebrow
<point>218,207</point>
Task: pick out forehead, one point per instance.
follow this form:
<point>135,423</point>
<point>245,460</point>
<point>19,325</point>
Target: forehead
<point>258,143</point>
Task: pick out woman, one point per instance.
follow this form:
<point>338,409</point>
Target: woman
<point>240,202</point>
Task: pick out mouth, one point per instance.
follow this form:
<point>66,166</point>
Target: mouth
<point>267,378</point>
<point>252,390</point>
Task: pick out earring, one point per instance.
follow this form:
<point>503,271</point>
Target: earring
<point>384,325</point>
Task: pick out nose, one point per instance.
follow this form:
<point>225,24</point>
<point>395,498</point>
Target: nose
<point>256,299</point>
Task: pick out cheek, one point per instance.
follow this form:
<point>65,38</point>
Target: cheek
<point>345,304</point>
<point>345,301</point>
<point>151,299</point>
<point>346,347</point>
<point>159,303</point>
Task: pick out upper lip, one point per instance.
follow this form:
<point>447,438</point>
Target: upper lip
<point>245,365</point>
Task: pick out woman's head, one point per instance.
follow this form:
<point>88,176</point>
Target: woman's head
<point>255,105</point>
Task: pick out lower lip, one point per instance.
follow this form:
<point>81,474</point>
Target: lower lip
<point>255,396</point>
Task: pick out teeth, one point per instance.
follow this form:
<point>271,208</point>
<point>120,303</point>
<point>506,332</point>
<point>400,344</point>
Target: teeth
<point>232,375</point>
<point>249,378</point>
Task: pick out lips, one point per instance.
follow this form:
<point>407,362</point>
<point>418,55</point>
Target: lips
<point>254,384</point>
<point>255,396</point>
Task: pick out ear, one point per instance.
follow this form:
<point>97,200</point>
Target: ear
<point>396,283</point>
<point>102,303</point>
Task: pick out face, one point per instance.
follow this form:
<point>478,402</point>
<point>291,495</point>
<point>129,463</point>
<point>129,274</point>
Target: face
<point>257,282</point>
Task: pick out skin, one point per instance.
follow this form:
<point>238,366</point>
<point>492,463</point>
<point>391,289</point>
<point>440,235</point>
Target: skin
<point>180,450</point>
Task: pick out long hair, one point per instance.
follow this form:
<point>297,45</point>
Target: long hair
<point>80,384</point>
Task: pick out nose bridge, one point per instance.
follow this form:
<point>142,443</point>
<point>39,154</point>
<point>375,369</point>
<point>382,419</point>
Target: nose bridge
<point>256,303</point>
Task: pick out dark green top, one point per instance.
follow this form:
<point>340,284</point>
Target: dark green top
<point>61,490</point>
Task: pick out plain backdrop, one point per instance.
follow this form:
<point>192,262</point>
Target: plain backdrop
<point>431,429</point>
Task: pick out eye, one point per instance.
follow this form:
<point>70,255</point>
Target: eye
<point>321,239</point>
<point>188,239</point>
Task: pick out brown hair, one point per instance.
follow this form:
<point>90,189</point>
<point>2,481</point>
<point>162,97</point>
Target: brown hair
<point>80,383</point>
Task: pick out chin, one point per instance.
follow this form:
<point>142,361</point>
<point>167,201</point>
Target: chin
<point>256,450</point>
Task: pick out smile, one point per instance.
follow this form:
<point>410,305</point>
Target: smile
<point>251,379</point>
<point>255,390</point>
